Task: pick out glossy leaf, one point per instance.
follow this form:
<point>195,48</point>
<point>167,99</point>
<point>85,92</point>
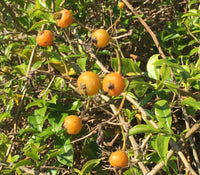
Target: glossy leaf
<point>192,102</point>
<point>138,129</point>
<point>152,69</point>
<point>147,98</point>
<point>162,142</point>
<point>66,155</point>
<point>22,163</point>
<point>56,120</point>
<point>192,105</point>
<point>165,72</point>
<point>128,66</point>
<point>4,144</point>
<point>89,165</point>
<point>37,119</point>
<point>163,113</point>
<point>170,64</point>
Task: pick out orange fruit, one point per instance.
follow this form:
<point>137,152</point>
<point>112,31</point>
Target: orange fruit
<point>45,38</point>
<point>100,38</point>
<point>118,159</point>
<point>73,124</point>
<point>120,5</point>
<point>113,83</point>
<point>64,18</point>
<point>89,83</point>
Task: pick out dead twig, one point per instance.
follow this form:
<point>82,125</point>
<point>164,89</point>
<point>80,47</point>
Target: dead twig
<point>146,27</point>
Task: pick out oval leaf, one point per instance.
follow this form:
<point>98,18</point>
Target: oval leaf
<point>138,129</point>
<point>163,113</point>
<point>162,142</point>
<point>89,165</point>
<point>153,70</point>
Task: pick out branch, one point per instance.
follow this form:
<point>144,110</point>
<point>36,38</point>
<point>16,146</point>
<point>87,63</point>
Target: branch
<point>146,27</point>
<point>171,142</point>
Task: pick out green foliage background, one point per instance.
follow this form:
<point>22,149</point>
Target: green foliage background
<point>38,87</point>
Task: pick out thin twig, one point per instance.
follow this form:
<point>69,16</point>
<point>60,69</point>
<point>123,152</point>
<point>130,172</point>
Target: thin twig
<point>192,145</point>
<point>132,140</point>
<point>146,27</point>
<point>171,142</point>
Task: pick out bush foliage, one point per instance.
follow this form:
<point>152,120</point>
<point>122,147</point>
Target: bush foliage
<point>155,46</point>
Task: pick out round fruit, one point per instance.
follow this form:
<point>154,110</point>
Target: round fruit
<point>118,159</point>
<point>45,38</point>
<point>89,83</point>
<point>120,5</point>
<point>100,38</point>
<point>73,124</point>
<point>64,18</point>
<point>113,84</point>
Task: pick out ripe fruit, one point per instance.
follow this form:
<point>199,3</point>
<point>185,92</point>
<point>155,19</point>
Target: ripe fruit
<point>89,83</point>
<point>73,124</point>
<point>64,18</point>
<point>100,38</point>
<point>45,38</point>
<point>118,159</point>
<point>113,84</point>
<point>120,5</point>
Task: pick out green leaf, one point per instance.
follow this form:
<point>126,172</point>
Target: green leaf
<point>128,66</point>
<point>152,69</point>
<point>146,99</point>
<point>89,165</point>
<point>5,115</point>
<point>36,102</point>
<point>66,155</point>
<point>38,24</point>
<point>172,87</point>
<point>138,129</point>
<point>56,120</point>
<point>197,65</point>
<point>170,64</point>
<point>57,4</point>
<point>37,119</point>
<point>49,155</point>
<point>191,102</point>
<point>4,144</point>
<point>32,151</point>
<point>171,36</point>
<point>163,113</point>
<point>140,86</point>
<point>82,63</point>
<point>162,142</point>
<point>165,72</point>
<point>133,171</point>
<point>22,163</point>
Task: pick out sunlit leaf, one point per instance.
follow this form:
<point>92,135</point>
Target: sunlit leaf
<point>163,112</point>
<point>162,142</point>
<point>152,69</point>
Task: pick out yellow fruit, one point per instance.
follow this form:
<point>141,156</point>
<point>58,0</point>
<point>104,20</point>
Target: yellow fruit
<point>89,83</point>
<point>64,18</point>
<point>113,84</point>
<point>120,5</point>
<point>45,38</point>
<point>118,159</point>
<point>100,38</point>
<point>73,124</point>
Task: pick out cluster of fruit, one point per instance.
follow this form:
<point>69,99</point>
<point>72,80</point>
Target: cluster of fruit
<point>64,18</point>
<point>88,82</point>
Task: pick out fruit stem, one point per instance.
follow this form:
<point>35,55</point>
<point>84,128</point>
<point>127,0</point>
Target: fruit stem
<point>118,19</point>
<point>118,61</point>
<point>87,104</point>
